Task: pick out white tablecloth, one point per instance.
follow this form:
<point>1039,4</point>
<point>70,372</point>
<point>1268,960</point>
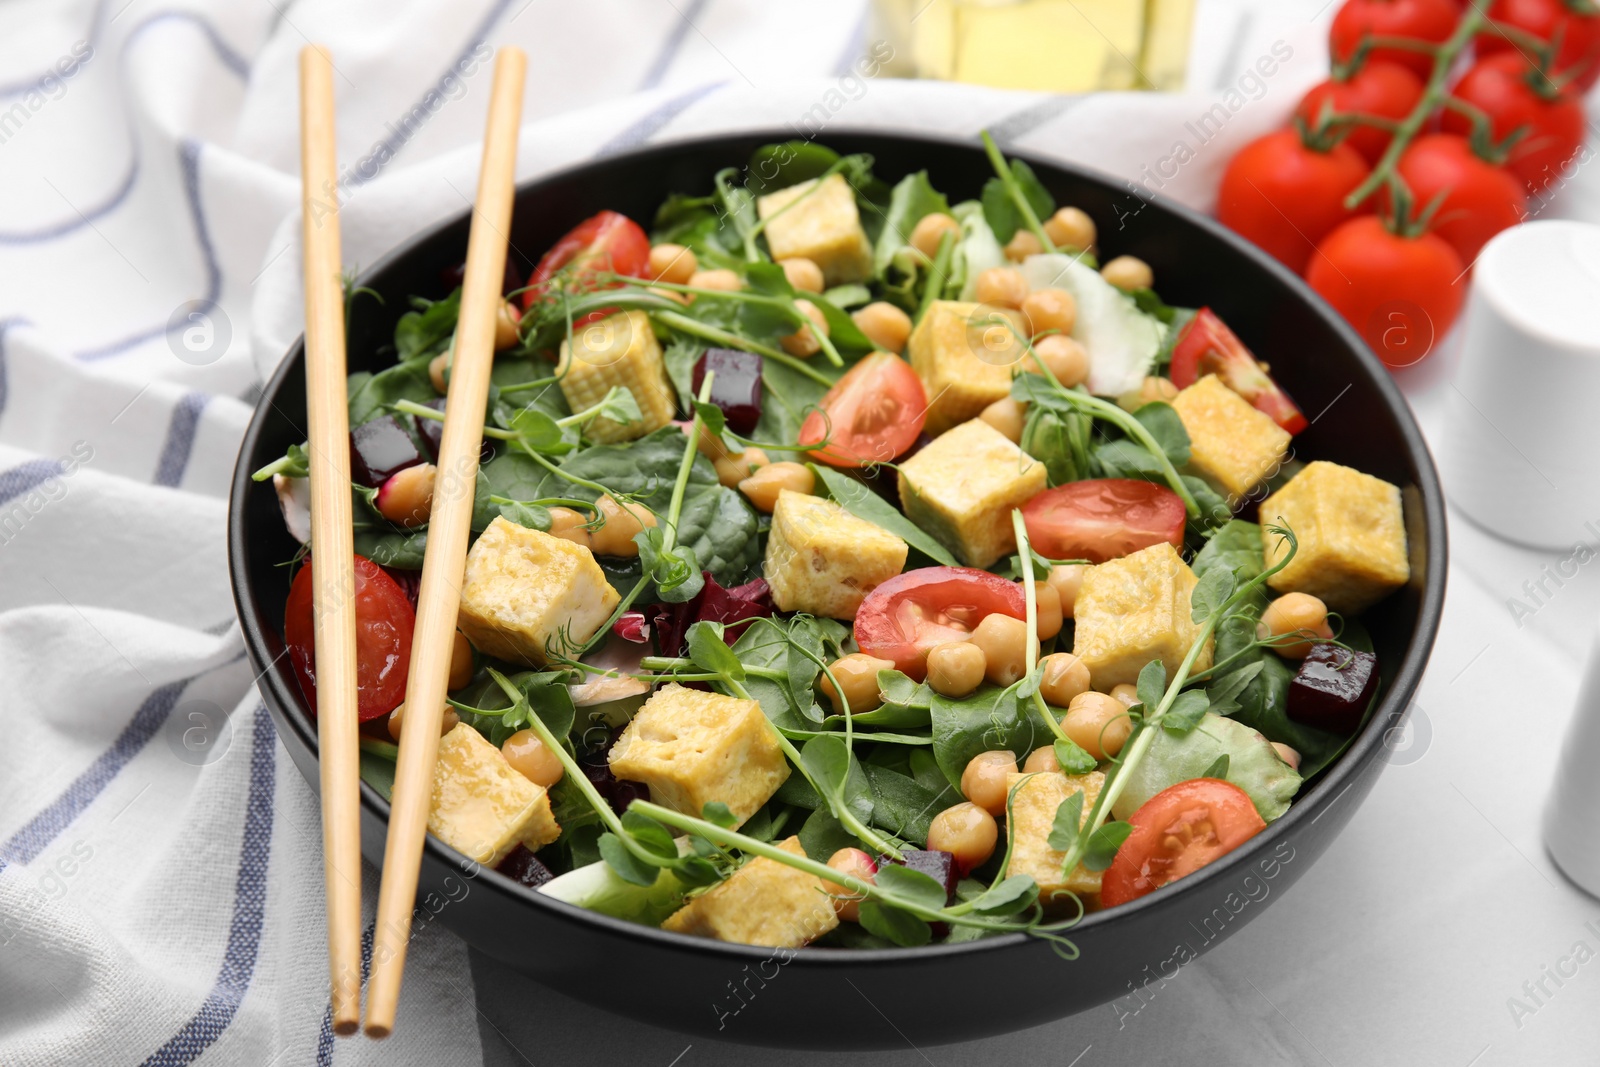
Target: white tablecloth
<point>160,885</point>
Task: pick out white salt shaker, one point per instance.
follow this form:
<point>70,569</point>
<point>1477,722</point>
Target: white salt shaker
<point>1572,813</point>
<point>1522,441</point>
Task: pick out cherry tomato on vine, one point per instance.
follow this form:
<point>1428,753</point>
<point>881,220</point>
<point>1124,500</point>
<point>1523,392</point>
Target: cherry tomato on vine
<point>605,242</point>
<point>384,621</point>
<point>1421,20</point>
<point>1399,292</point>
<point>903,618</point>
<point>873,414</point>
<point>1578,55</point>
<point>1175,833</point>
<point>1480,199</point>
<point>1380,88</point>
<point>1513,95</point>
<point>1286,196</point>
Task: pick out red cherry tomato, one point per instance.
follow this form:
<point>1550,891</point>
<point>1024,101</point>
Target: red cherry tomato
<point>1512,94</point>
<point>1400,293</point>
<point>1480,199</point>
<point>1285,196</point>
<point>1175,833</point>
<point>1421,20</point>
<point>874,413</point>
<point>606,243</point>
<point>1381,89</point>
<point>1578,56</point>
<point>1207,346</point>
<point>1103,518</point>
<point>910,613</point>
<point>384,621</point>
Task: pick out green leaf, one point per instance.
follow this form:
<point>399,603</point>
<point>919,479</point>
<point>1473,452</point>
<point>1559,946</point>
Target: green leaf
<point>1210,593</point>
<point>711,653</point>
<point>1072,757</point>
<point>821,835</point>
<point>848,296</point>
<point>900,804</point>
<point>629,868</point>
<point>680,356</point>
<point>377,770</point>
<point>1152,684</point>
<point>426,330</point>
<point>916,887</point>
<point>913,198</point>
<point>778,166</point>
<point>650,836</point>
<point>1103,845</point>
<point>863,503</point>
<point>533,516</point>
<point>371,396</point>
<point>619,405</point>
<point>991,718</point>
<point>1001,212</point>
<point>1225,691</point>
<point>1186,712</point>
<point>834,771</point>
<point>1067,823</point>
<point>892,924</point>
<point>1012,896</point>
<point>1253,765</point>
<point>538,430</point>
<point>1218,768</point>
<point>1162,420</point>
<point>717,812</point>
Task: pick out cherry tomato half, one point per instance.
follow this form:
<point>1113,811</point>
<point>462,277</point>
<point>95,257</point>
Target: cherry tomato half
<point>1578,56</point>
<point>1380,89</point>
<point>874,413</point>
<point>384,622</point>
<point>1513,95</point>
<point>1103,518</point>
<point>1207,346</point>
<point>1286,197</point>
<point>1479,198</point>
<point>910,613</point>
<point>607,242</point>
<point>1422,20</point>
<point>1175,833</point>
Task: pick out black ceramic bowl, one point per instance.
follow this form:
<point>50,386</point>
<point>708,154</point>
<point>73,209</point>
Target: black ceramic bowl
<point>939,993</point>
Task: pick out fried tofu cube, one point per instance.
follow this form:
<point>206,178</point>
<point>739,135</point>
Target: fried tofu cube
<point>1133,610</point>
<point>1351,534</point>
<point>482,806</point>
<point>962,487</point>
<point>524,591</point>
<point>619,350</point>
<point>1033,814</point>
<point>822,225</point>
<point>692,748</point>
<point>764,903</point>
<point>1231,444</point>
<point>965,356</point>
<point>823,560</point>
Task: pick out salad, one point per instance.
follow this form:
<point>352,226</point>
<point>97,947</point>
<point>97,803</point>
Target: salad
<point>854,567</point>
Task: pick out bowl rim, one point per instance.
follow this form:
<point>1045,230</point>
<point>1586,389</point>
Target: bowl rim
<point>1334,781</point>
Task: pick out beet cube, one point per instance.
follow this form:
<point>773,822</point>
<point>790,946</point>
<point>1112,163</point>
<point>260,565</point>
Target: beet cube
<point>940,866</point>
<point>432,432</point>
<point>523,866</point>
<point>736,389</point>
<point>379,448</point>
<point>1333,687</point>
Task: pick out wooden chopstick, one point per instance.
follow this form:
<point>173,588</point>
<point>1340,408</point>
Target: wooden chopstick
<point>332,548</point>
<point>448,530</point>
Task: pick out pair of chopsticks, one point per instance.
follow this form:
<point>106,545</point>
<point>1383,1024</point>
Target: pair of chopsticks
<point>332,545</point>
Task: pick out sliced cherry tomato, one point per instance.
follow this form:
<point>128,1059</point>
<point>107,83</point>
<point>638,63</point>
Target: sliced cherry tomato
<point>384,621</point>
<point>1103,518</point>
<point>1379,89</point>
<point>606,243</point>
<point>1578,56</point>
<point>1207,346</point>
<point>1421,20</point>
<point>1286,196</point>
<point>1514,96</point>
<point>1476,198</point>
<point>873,414</point>
<point>1175,833</point>
<point>907,615</point>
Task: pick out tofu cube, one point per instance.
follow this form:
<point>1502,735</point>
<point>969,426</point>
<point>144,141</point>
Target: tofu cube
<point>764,903</point>
<point>692,748</point>
<point>823,560</point>
<point>1351,534</point>
<point>482,806</point>
<point>1033,813</point>
<point>965,358</point>
<point>962,487</point>
<point>1133,610</point>
<point>823,225</point>
<point>524,591</point>
<point>1231,444</point>
<point>620,349</point>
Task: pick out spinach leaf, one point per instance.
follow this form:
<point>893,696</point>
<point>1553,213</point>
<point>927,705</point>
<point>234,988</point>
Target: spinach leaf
<point>680,357</point>
<point>1002,214</point>
<point>835,772</point>
<point>377,767</point>
<point>913,198</point>
<point>900,804</point>
<point>1059,440</point>
<point>426,329</point>
<point>778,166</point>
<point>848,296</point>
<point>1162,420</point>
<point>406,380</point>
<point>487,709</point>
<point>863,503</point>
<point>786,396</point>
<point>767,644</point>
<point>1011,897</point>
<point>1103,845</point>
<point>900,927</point>
<point>821,835</point>
<point>700,225</point>
<point>905,704</point>
<point>991,718</point>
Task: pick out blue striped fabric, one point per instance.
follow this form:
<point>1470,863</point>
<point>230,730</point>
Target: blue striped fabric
<point>33,82</point>
<point>5,327</point>
<point>26,477</point>
<point>672,45</point>
<point>180,438</point>
<point>325,1036</point>
<point>640,130</point>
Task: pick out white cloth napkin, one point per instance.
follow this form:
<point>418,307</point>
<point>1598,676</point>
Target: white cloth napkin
<point>160,868</point>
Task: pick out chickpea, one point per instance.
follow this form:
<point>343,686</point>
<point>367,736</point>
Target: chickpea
<point>619,524</point>
<point>1050,311</point>
<point>1070,228</point>
<point>857,675</point>
<point>1287,754</point>
<point>885,325</point>
<point>1066,359</point>
<point>1047,610</point>
<point>1065,579</point>
<point>930,230</point>
<point>507,326</point>
<point>1005,415</point>
<point>803,274</point>
<point>803,342</point>
<point>460,662</point>
<point>965,831</point>
<point>955,668</point>
<point>857,864</point>
<point>1294,613</point>
<point>447,722</point>
<point>984,780</point>
<point>571,526</point>
<point>1004,642</point>
<point>1023,244</point>
<point>1002,286</point>
<point>725,280</point>
<point>1097,723</point>
<point>1042,761</point>
<point>1128,273</point>
<point>1126,694</point>
<point>1152,389</point>
<point>762,487</point>
<point>673,264</point>
<point>670,294</point>
<point>710,444</point>
<point>529,755</point>
<point>437,366</point>
<point>407,497</point>
<point>1065,678</point>
<point>733,469</point>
